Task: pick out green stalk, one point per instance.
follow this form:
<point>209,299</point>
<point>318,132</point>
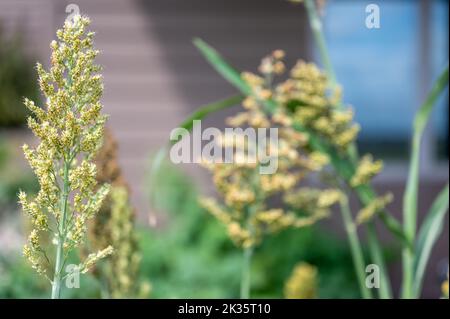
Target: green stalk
<point>376,255</point>
<point>316,27</point>
<point>410,199</point>
<point>355,246</point>
<point>245,279</point>
<point>57,278</point>
<point>248,251</point>
<point>366,195</point>
<point>374,246</point>
<point>429,232</point>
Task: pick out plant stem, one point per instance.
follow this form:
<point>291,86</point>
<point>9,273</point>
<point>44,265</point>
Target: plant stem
<point>56,283</point>
<point>410,216</point>
<point>316,26</point>
<point>366,195</point>
<point>374,246</point>
<point>245,279</point>
<point>377,258</point>
<point>355,246</point>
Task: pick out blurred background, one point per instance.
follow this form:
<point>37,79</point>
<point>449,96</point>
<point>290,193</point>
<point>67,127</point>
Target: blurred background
<point>154,78</point>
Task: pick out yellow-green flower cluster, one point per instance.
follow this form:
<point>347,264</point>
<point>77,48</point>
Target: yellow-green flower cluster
<point>376,205</point>
<point>305,98</point>
<point>311,199</point>
<point>93,258</point>
<point>247,195</point>
<point>70,130</point>
<point>366,170</point>
<point>302,284</point>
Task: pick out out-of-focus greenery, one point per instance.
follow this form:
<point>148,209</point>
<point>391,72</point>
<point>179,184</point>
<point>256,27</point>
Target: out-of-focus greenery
<point>12,178</point>
<point>16,81</point>
<point>191,255</point>
<point>18,280</point>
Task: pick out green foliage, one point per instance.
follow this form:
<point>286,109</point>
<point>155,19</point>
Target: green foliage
<point>190,256</point>
<point>16,81</point>
<point>343,165</point>
<point>12,178</point>
<point>415,260</point>
<point>429,233</point>
<point>18,280</point>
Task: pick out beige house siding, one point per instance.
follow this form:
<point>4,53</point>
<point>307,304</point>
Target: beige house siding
<point>153,74</point>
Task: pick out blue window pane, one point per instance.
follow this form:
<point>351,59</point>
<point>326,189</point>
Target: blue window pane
<point>439,58</point>
<point>380,68</point>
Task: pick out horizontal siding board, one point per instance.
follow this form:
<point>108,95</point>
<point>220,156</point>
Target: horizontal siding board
<point>154,76</point>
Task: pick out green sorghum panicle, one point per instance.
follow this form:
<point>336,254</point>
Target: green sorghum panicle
<point>306,97</point>
<point>123,267</point>
<point>115,225</point>
<point>70,130</point>
<point>247,209</point>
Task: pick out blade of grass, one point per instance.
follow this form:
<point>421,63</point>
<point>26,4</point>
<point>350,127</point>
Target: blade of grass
<point>377,257</point>
<point>316,27</point>
<point>355,247</point>
<point>206,110</point>
<point>410,198</point>
<point>429,233</point>
<point>222,67</point>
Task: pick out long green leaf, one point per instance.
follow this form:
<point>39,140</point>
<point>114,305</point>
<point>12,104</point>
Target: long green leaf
<point>410,198</point>
<point>222,67</point>
<point>428,235</point>
<point>420,122</point>
<point>206,110</point>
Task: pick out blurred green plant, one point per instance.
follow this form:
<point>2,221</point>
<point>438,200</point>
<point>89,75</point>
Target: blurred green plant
<point>302,284</point>
<point>12,179</point>
<point>16,81</point>
<point>415,260</point>
<point>115,225</point>
<point>70,130</point>
<point>416,252</point>
<point>190,256</point>
<point>355,174</point>
<point>18,280</point>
